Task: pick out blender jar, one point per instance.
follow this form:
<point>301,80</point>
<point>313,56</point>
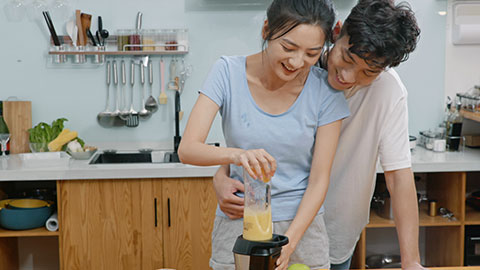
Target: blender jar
<point>257,216</point>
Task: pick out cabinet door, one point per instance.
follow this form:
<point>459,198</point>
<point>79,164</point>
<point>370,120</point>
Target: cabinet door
<point>109,224</point>
<point>188,213</point>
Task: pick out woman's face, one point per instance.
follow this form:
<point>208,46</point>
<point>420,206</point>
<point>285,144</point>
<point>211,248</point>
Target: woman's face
<point>295,52</point>
<point>346,70</point>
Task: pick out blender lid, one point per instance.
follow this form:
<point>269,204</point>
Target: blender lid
<point>259,248</point>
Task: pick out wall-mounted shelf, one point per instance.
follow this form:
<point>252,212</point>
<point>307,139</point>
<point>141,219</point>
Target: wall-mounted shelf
<point>27,233</point>
<point>146,42</point>
<point>121,53</point>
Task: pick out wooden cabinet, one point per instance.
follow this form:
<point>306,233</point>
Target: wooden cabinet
<point>444,238</point>
<point>136,223</point>
<point>109,224</point>
<point>189,210</point>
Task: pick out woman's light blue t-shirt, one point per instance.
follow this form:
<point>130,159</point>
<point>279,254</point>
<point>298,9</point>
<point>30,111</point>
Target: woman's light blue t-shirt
<point>289,137</point>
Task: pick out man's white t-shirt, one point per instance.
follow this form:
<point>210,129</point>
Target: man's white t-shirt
<point>377,129</point>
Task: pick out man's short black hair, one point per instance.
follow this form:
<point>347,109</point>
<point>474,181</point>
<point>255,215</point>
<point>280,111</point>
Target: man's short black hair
<point>381,33</point>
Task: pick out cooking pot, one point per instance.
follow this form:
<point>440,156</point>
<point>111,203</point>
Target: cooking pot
<point>22,218</point>
<point>382,204</point>
<point>383,261</point>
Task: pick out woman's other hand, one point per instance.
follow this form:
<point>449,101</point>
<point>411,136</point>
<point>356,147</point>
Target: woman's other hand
<point>258,163</point>
<point>282,261</point>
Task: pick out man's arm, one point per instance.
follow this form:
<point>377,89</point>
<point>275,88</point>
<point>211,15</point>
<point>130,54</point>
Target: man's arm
<point>401,186</point>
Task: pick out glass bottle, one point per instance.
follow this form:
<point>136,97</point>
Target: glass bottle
<point>4,129</point>
<point>455,128</point>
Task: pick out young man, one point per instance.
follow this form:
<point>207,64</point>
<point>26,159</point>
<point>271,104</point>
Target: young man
<point>376,35</point>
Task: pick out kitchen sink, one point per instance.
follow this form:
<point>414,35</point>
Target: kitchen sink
<point>136,157</point>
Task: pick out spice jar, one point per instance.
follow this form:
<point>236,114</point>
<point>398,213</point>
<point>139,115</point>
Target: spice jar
<point>122,39</point>
<point>148,38</point>
<point>432,208</point>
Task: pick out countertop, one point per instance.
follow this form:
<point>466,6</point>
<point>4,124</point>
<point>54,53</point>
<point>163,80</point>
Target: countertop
<point>13,169</point>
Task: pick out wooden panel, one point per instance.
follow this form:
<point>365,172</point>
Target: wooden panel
<point>8,253</point>
<point>448,188</point>
<point>187,243</point>
<point>360,253</point>
<point>42,231</point>
<point>424,219</point>
<point>18,116</point>
<point>109,224</point>
<point>444,246</point>
<point>471,115</point>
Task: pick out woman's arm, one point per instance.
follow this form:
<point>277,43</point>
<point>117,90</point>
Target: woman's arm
<point>324,153</point>
<point>193,150</point>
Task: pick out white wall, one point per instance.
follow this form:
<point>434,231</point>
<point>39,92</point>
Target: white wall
<point>79,93</point>
<point>462,62</point>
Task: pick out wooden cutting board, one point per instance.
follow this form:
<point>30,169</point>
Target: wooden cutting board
<point>18,116</point>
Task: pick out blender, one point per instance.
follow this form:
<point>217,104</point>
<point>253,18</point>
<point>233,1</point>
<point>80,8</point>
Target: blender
<point>257,248</point>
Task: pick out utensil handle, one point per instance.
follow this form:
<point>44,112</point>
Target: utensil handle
<point>109,74</point>
<point>150,72</point>
<point>115,72</point>
<point>139,20</point>
<point>100,24</point>
<point>162,75</point>
<point>172,69</point>
<point>124,77</point>
<point>132,73</point>
<point>90,35</point>
<point>142,73</point>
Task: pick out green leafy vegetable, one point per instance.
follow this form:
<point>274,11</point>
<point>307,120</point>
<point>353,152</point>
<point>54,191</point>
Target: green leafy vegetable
<point>44,133</point>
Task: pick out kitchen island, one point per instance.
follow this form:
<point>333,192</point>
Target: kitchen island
<point>160,215</point>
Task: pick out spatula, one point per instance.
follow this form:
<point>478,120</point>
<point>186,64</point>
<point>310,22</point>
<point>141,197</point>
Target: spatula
<point>86,21</point>
<point>81,40</point>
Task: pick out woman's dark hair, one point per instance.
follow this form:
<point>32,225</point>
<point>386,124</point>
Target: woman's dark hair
<point>381,33</point>
<point>284,15</point>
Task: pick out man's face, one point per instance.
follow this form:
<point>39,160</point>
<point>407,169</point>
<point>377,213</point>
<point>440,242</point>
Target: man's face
<point>346,70</point>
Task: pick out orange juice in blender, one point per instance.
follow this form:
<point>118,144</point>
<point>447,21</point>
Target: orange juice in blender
<point>257,215</point>
<point>257,225</point>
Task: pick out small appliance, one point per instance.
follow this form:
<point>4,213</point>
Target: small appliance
<point>257,248</point>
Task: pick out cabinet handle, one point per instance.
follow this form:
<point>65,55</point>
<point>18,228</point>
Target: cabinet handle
<point>168,211</point>
<point>156,220</point>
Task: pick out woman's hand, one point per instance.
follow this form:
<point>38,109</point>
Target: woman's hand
<point>258,163</point>
<point>282,261</point>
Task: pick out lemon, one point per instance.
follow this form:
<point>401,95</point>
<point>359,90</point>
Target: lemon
<point>298,266</point>
<point>265,178</point>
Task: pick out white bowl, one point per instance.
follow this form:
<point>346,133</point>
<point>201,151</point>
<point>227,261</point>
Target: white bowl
<point>82,155</point>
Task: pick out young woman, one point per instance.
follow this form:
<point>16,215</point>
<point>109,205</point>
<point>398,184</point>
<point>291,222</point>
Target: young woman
<point>279,115</point>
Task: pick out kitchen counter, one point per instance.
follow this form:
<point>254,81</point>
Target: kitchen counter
<point>13,170</point>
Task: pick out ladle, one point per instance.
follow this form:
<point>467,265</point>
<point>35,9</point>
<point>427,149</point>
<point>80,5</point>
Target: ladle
<point>151,103</point>
<point>143,113</point>
<point>124,114</point>
<point>105,118</point>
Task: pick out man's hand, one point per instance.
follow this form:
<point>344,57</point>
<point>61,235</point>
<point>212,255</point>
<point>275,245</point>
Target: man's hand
<point>225,188</point>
